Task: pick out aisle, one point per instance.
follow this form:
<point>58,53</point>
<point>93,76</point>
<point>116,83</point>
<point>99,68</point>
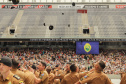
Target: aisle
<point>115,81</point>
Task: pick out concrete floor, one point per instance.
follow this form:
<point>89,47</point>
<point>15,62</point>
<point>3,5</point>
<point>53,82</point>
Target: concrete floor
<point>115,81</point>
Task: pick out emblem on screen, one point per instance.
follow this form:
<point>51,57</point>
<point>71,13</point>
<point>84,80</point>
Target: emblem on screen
<point>87,47</point>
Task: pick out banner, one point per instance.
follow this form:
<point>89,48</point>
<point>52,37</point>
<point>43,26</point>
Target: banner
<point>120,6</point>
<point>96,6</point>
<point>70,6</point>
<point>83,6</point>
<point>87,47</point>
<point>26,6</point>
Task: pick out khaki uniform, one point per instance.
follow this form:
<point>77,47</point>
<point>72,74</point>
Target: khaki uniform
<point>11,79</point>
<point>59,74</point>
<point>51,78</point>
<point>82,74</point>
<point>19,73</point>
<point>66,72</point>
<point>29,77</point>
<point>122,74</point>
<point>123,80</point>
<point>44,77</point>
<point>70,78</point>
<point>36,74</point>
<point>95,78</point>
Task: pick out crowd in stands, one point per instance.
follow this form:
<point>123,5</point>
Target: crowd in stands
<point>61,66</point>
<point>114,59</point>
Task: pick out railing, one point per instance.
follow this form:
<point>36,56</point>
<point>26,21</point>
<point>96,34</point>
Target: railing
<point>66,1</point>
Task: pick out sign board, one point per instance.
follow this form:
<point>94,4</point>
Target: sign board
<point>26,6</point>
<point>83,6</point>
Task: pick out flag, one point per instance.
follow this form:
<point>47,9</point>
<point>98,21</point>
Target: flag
<point>87,47</point>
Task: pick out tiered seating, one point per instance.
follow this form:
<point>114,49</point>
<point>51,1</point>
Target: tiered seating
<point>31,24</point>
<point>111,23</point>
<point>107,23</point>
<point>7,17</point>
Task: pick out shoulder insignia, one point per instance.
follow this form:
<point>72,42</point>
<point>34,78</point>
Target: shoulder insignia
<point>81,79</point>
<point>21,82</point>
<point>9,83</point>
<point>85,76</point>
<point>41,76</point>
<point>58,74</point>
<point>17,77</point>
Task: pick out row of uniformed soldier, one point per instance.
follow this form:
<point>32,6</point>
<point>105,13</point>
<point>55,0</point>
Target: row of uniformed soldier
<point>10,74</point>
<point>6,76</point>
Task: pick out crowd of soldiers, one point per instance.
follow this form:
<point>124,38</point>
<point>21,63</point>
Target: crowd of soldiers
<point>13,73</point>
<point>45,70</point>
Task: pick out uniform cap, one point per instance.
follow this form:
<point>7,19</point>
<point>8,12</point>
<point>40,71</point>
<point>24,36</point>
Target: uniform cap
<point>6,61</point>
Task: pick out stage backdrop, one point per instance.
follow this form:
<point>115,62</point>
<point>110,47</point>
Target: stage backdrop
<point>87,47</point>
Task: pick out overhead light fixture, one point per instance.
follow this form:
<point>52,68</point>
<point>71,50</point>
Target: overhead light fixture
<point>15,1</point>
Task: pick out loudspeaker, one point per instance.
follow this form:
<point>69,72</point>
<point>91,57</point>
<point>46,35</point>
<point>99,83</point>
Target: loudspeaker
<point>50,27</point>
<point>73,4</point>
<point>15,1</point>
<point>68,25</point>
<point>44,24</point>
<point>86,31</point>
<point>12,31</point>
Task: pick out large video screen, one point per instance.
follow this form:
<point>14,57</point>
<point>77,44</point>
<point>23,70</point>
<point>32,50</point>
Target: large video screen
<point>87,47</point>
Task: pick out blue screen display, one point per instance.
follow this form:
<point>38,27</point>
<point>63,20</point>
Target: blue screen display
<point>87,47</point>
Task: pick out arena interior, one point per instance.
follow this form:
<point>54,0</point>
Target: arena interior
<point>54,30</point>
